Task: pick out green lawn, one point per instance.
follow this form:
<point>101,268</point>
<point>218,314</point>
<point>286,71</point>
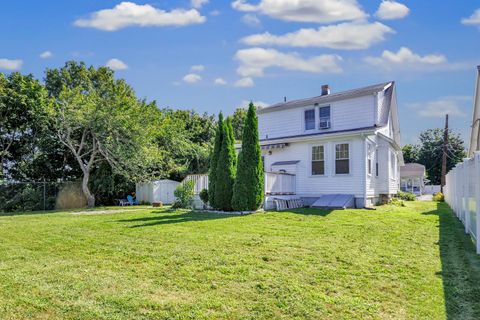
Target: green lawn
<point>393,263</point>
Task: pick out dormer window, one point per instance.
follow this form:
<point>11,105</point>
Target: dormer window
<point>310,119</point>
<point>324,117</point>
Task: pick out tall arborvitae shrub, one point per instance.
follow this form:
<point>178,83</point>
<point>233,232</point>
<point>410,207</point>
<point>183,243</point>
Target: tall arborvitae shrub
<point>212,174</point>
<point>226,169</point>
<point>248,189</point>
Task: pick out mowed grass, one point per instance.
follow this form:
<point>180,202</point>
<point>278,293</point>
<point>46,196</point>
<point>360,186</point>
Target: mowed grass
<point>392,263</point>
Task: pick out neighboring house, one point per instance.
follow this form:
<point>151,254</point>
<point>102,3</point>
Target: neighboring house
<point>475,134</point>
<point>412,178</point>
<point>342,145</point>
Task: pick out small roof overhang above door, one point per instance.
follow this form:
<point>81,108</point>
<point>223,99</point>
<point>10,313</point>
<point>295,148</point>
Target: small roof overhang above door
<point>274,146</point>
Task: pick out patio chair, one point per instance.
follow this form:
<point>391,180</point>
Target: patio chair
<point>123,202</point>
<point>131,200</point>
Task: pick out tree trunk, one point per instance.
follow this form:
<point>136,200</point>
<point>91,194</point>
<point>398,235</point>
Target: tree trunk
<point>86,190</point>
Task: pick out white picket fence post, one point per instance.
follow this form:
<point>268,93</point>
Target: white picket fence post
<point>477,197</point>
<point>462,193</point>
<point>466,195</point>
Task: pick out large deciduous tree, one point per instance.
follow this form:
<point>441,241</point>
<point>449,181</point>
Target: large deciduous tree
<point>23,115</point>
<point>429,152</point>
<point>226,169</point>
<point>410,153</point>
<point>248,188</point>
<point>238,122</point>
<point>100,120</point>
<point>186,138</point>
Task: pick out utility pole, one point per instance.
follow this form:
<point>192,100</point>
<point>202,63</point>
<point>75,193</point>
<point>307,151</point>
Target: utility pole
<point>444,157</point>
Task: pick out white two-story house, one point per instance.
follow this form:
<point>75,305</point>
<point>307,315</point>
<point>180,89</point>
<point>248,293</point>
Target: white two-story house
<point>344,144</point>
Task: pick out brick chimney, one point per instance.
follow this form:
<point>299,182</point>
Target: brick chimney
<point>325,89</point>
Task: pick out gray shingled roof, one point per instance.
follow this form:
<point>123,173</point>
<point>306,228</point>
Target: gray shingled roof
<point>412,170</point>
<point>328,98</point>
<point>285,163</point>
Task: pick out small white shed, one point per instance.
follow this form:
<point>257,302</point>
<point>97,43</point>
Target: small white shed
<point>161,190</point>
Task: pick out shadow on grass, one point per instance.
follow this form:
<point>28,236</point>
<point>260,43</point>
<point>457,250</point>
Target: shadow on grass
<point>167,217</point>
<point>311,211</point>
<point>460,266</point>
<point>25,213</point>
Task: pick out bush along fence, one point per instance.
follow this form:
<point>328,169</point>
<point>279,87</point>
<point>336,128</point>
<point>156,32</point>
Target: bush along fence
<point>462,193</point>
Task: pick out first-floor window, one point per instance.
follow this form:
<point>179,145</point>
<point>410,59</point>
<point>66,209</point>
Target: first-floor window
<point>393,163</point>
<point>318,160</point>
<point>376,163</point>
<point>369,158</point>
<point>342,158</point>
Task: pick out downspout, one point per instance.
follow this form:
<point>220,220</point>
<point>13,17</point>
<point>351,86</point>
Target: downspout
<point>364,136</point>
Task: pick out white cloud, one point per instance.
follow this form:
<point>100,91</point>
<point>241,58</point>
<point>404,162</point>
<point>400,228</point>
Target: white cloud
<point>258,104</point>
<point>254,61</point>
<point>116,64</point>
<point>11,64</point>
<point>251,20</point>
<point>192,78</point>
<point>220,82</point>
<point>348,36</point>
<point>439,108</point>
<point>406,59</point>
<point>244,83</point>
<point>46,54</point>
<point>128,14</point>
<point>198,3</point>
<point>197,68</point>
<point>474,19</point>
<point>391,10</point>
<point>215,13</point>
<point>317,11</point>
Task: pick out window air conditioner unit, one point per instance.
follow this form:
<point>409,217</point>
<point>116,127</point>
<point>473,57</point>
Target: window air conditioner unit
<point>324,124</point>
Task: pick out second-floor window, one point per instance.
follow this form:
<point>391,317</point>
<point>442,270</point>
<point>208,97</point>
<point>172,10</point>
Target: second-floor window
<point>310,119</point>
<point>324,117</point>
<point>342,158</point>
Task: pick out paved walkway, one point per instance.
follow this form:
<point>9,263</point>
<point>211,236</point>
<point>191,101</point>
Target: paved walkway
<point>92,212</point>
<point>425,197</point>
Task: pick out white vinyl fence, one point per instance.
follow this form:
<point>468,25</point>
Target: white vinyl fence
<point>431,189</point>
<point>279,183</point>
<point>200,182</point>
<point>462,193</point>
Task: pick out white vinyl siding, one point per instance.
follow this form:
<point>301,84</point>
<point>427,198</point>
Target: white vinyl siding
<point>344,115</point>
<point>329,183</point>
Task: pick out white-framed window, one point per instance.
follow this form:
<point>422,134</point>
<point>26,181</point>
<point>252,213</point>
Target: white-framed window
<point>318,160</point>
<point>342,158</point>
<point>309,116</point>
<point>393,164</point>
<point>370,155</point>
<point>324,113</point>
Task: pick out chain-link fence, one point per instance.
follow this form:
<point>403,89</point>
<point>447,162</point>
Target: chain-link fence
<point>33,196</point>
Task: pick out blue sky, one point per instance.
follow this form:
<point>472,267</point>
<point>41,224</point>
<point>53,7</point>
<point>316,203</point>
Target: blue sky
<point>214,55</point>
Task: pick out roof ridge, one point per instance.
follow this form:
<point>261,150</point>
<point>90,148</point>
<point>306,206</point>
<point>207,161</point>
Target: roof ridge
<point>375,87</point>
